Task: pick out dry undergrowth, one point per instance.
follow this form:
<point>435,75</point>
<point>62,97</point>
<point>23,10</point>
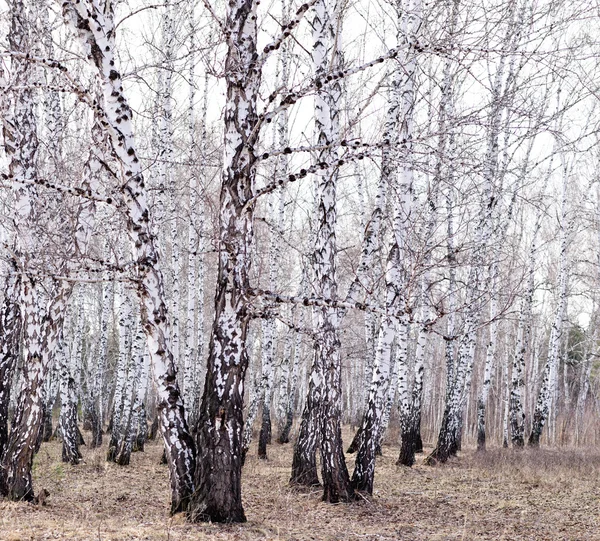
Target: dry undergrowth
<point>548,495</point>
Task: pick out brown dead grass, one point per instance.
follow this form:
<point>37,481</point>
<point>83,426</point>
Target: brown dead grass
<point>502,495</point>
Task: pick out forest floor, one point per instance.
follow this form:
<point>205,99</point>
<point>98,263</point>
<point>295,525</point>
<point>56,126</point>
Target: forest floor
<point>551,494</point>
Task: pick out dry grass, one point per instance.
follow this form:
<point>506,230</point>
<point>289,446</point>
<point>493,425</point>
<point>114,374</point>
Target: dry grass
<point>549,495</point>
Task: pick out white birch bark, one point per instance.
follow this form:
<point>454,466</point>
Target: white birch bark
<point>490,354</point>
<point>42,308</point>
<point>128,425</point>
<point>126,322</point>
<point>399,177</point>
<point>69,376</point>
<point>459,377</point>
<point>327,55</point>
<point>546,393</point>
<point>99,397</point>
<point>98,41</point>
<point>10,331</point>
<point>516,409</point>
<point>168,180</point>
<point>194,355</point>
<point>219,437</point>
<point>139,430</point>
<point>253,396</point>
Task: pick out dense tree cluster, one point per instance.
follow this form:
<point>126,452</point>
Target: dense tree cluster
<point>381,214</point>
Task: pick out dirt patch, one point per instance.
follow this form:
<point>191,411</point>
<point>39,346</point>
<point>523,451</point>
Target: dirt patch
<point>503,495</point>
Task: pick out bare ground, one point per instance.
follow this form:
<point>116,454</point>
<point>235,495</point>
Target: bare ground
<point>503,495</point>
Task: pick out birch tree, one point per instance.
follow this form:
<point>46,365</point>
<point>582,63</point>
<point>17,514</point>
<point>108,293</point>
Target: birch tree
<point>218,495</point>
<point>546,399</point>
<point>98,42</point>
<point>394,324</point>
<point>41,315</point>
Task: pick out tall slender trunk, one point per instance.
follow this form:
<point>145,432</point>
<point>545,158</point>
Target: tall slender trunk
<point>68,384</point>
<point>389,402</point>
<point>516,410</point>
<point>400,120</point>
<point>253,397</point>
<point>490,354</point>
<point>304,452</point>
<point>168,180</point>
<point>290,402</point>
<point>124,361</point>
<point>139,425</point>
<point>459,378</point>
<point>268,351</point>
<point>68,410</point>
<point>127,431</point>
<point>410,428</point>
<point>364,468</point>
<point>336,480</point>
<point>52,385</point>
<point>96,398</point>
<point>194,355</point>
<point>98,40</point>
<point>546,392</point>
<point>285,372</point>
<point>268,341</point>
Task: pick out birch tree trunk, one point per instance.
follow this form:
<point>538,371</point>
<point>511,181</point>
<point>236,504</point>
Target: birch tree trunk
<point>268,351</point>
<point>277,213</point>
<point>120,397</point>
<point>128,426</point>
<point>139,430</point>
<point>41,314</point>
<point>97,409</point>
<point>304,462</point>
<point>402,96</point>
<point>547,388</point>
<point>459,376</point>
<point>39,345</point>
<point>218,497</point>
<point>167,178</point>
<point>288,407</point>
<point>10,331</point>
<point>194,356</point>
<point>490,354</point>
<point>410,427</point>
<point>98,41</point>
<point>68,383</point>
<point>326,49</point>
<point>364,469</point>
<point>268,341</point>
<point>515,403</point>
